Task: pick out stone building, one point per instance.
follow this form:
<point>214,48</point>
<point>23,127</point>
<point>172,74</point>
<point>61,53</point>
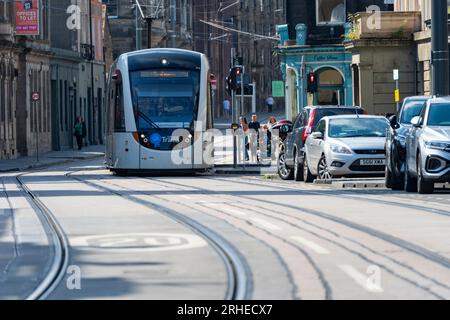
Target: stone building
<point>54,65</point>
<point>78,81</point>
<point>313,41</point>
<point>376,52</point>
<point>130,31</point>
<point>250,28</point>
<point>24,69</point>
<point>422,39</point>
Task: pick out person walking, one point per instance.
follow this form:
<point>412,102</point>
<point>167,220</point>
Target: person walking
<point>254,128</point>
<point>245,130</point>
<point>226,108</point>
<point>272,122</point>
<point>80,132</point>
<point>270,102</point>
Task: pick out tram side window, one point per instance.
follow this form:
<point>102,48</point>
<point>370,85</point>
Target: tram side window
<point>119,110</point>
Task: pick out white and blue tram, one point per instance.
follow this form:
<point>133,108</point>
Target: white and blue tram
<point>158,109</point>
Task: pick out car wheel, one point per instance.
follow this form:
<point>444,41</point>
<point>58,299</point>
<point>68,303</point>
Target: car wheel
<point>388,178</point>
<point>423,186</point>
<point>410,182</point>
<point>298,169</point>
<point>307,175</point>
<point>284,171</point>
<point>323,170</point>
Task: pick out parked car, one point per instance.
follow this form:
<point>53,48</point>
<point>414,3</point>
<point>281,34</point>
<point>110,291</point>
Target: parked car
<point>396,141</point>
<point>428,147</point>
<point>344,146</point>
<point>291,159</point>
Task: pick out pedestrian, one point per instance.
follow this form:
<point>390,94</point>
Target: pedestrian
<point>272,122</point>
<point>226,108</point>
<point>270,102</point>
<point>245,130</point>
<point>80,132</point>
<point>254,128</point>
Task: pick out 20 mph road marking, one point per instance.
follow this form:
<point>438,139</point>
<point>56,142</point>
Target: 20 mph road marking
<point>311,245</point>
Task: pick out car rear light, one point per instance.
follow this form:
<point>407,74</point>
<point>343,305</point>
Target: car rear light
<point>308,129</point>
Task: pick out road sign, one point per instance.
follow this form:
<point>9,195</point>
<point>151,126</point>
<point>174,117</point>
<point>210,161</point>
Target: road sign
<point>278,89</point>
<point>35,96</point>
<point>397,95</point>
<point>396,75</point>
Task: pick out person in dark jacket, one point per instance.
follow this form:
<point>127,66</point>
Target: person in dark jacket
<point>80,132</point>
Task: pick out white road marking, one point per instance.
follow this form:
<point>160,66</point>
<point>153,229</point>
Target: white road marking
<point>221,207</point>
<point>186,197</point>
<point>139,242</point>
<point>234,211</point>
<point>311,245</point>
<point>266,224</point>
<point>361,279</point>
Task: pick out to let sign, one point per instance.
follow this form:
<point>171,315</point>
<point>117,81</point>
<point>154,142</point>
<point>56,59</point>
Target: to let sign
<point>27,17</point>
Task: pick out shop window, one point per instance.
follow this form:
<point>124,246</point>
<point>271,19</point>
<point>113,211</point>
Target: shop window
<point>330,12</point>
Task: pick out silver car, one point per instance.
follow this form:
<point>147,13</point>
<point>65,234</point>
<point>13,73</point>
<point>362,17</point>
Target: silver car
<point>428,147</point>
<point>346,146</point>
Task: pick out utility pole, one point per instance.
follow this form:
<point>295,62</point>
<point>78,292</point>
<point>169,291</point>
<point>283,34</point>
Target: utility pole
<point>439,50</point>
<point>149,21</point>
<point>138,29</point>
<point>91,60</point>
<point>173,22</point>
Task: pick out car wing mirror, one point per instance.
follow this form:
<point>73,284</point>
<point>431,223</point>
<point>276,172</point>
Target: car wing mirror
<point>317,135</point>
<point>393,122</point>
<point>416,122</point>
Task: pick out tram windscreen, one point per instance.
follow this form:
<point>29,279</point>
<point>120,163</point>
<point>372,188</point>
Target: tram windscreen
<point>164,98</point>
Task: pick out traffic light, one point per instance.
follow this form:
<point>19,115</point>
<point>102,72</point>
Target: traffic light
<point>312,82</point>
<point>235,74</point>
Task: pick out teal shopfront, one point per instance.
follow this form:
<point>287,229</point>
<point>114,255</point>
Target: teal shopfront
<point>331,65</point>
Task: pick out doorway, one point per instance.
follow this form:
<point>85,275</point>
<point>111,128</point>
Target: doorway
<point>330,87</point>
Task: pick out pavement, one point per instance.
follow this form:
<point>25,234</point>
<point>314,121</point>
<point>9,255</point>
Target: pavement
<point>51,158</point>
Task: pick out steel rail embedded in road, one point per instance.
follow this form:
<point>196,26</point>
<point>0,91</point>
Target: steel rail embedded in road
<point>238,270</point>
<point>59,240</point>
<point>423,252</point>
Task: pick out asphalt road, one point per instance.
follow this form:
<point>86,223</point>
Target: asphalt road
<point>219,237</point>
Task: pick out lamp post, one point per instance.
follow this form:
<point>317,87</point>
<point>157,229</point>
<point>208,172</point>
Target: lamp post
<point>439,44</point>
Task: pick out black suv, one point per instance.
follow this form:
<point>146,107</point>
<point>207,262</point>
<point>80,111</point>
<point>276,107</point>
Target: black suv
<point>396,141</point>
<point>291,158</point>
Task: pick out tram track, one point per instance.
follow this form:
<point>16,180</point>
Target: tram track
<point>57,237</point>
<point>409,247</point>
<point>239,276</point>
<point>341,194</point>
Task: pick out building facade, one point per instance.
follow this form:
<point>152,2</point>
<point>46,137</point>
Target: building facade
<point>422,39</point>
<point>312,41</point>
<point>24,69</point>
<point>53,67</point>
<point>250,28</point>
<point>130,30</point>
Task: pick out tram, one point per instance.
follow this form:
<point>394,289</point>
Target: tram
<point>159,111</point>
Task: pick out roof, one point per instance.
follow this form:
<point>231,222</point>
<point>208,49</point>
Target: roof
<point>354,116</point>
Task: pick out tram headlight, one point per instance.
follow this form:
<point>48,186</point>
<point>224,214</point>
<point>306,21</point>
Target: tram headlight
<point>165,61</point>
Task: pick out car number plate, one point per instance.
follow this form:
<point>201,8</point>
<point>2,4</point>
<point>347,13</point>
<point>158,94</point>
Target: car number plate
<point>373,162</point>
